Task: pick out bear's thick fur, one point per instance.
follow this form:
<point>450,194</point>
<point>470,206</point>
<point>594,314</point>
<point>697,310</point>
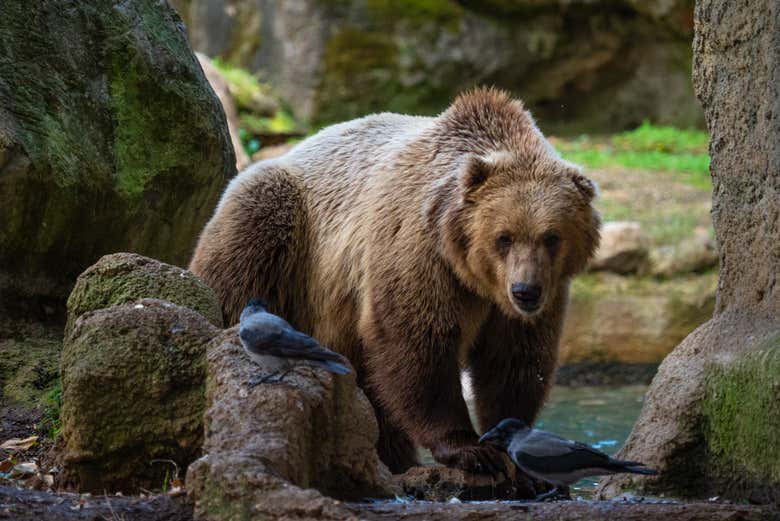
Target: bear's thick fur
<point>416,247</point>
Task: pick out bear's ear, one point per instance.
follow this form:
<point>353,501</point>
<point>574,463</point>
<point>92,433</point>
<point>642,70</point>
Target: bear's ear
<point>584,185</point>
<point>475,173</point>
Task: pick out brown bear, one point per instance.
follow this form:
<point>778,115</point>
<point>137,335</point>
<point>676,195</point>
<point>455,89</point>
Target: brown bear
<point>417,247</point>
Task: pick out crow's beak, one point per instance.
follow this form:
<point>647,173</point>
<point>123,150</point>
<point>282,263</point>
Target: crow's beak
<point>492,434</point>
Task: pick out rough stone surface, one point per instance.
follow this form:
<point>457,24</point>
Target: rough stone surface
<point>30,505</point>
<point>26,505</point>
<point>435,483</point>
<point>563,511</point>
<point>624,248</point>
<point>265,445</point>
<point>632,320</point>
<point>589,64</point>
<point>711,412</point>
<point>133,379</point>
<point>110,139</point>
<point>222,90</point>
<point>120,278</point>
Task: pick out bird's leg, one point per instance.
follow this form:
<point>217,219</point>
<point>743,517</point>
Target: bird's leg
<point>259,379</point>
<point>548,495</point>
<point>272,378</point>
<point>285,373</point>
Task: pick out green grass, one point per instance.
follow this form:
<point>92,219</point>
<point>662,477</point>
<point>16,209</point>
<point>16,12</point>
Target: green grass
<point>648,147</point>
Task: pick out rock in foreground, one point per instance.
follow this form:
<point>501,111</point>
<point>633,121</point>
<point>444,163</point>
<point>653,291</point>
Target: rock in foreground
<point>120,278</point>
<point>265,445</point>
<point>133,392</point>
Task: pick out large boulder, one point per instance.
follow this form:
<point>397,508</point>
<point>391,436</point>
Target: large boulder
<point>711,419</point>
<point>111,139</point>
<point>587,64</point>
<point>265,445</point>
<point>120,278</point>
<point>133,398</point>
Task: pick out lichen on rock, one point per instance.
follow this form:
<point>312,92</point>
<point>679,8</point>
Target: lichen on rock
<point>741,421</point>
<point>133,392</point>
<point>120,278</point>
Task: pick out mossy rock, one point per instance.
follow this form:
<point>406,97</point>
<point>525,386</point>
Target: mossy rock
<point>133,380</point>
<point>111,139</point>
<point>126,277</point>
<point>741,422</point>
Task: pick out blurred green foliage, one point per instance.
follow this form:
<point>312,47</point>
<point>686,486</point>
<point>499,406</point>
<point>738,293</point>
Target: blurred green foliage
<point>262,118</point>
<point>648,147</point>
<point>243,84</point>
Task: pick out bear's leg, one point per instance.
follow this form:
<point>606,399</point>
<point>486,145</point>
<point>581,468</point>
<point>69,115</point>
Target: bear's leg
<point>512,367</point>
<point>396,449</point>
<point>412,366</point>
<point>251,246</point>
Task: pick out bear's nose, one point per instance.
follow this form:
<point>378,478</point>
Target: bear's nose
<point>527,295</point>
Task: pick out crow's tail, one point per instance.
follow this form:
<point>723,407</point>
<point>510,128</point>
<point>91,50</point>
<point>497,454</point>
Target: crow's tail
<point>634,467</point>
<point>334,367</point>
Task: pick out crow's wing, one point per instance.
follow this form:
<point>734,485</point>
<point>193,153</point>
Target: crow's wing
<point>295,344</point>
<point>268,334</point>
<point>552,454</point>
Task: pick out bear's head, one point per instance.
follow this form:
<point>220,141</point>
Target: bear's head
<point>522,225</point>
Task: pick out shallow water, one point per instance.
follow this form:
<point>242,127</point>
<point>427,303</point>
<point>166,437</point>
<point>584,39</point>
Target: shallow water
<point>599,416</point>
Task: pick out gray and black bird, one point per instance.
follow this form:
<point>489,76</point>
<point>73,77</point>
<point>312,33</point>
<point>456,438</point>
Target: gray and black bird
<point>273,343</point>
<point>554,459</point>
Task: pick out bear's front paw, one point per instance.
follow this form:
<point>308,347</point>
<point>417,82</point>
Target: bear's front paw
<point>477,459</point>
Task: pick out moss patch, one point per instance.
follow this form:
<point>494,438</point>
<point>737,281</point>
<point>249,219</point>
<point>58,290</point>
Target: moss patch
<point>152,355</point>
<point>28,369</point>
<point>126,277</point>
<point>741,415</point>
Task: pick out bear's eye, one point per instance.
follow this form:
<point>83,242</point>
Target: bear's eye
<point>504,241</point>
<point>551,241</point>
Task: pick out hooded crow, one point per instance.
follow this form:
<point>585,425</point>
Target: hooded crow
<point>273,343</point>
<point>554,459</point>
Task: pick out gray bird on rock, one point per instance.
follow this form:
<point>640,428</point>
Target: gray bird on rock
<point>274,344</point>
<point>554,459</point>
